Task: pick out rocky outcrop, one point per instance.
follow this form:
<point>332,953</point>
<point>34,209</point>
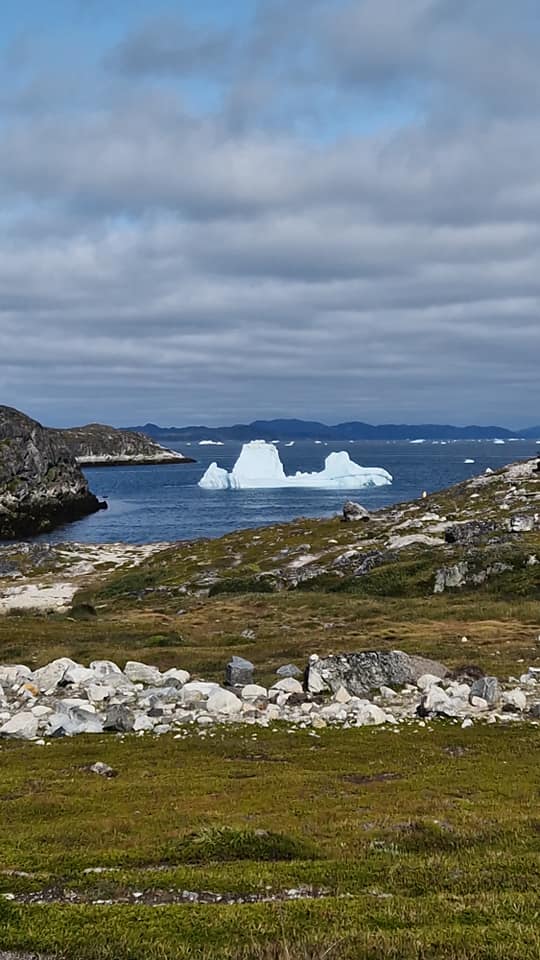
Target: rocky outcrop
<point>97,444</point>
<point>41,486</point>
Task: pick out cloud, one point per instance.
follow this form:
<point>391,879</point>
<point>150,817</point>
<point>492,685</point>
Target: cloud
<point>173,45</point>
<point>264,256</point>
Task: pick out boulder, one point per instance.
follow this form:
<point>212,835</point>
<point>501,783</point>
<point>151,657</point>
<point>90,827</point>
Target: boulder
<point>196,692</point>
<point>14,674</point>
<point>98,692</point>
<point>103,669</point>
<point>224,702</point>
<point>41,485</point>
<point>288,670</point>
<point>368,714</point>
<point>23,726</point>
<point>71,722</point>
<point>239,672</point>
<point>451,577</point>
<point>353,511</point>
<point>179,677</point>
<point>470,531</point>
<point>489,689</point>
<point>142,673</point>
<point>514,700</point>
<point>119,719</point>
<point>78,675</point>
<point>252,691</point>
<point>288,685</point>
<point>48,678</point>
<point>523,524</point>
<point>361,672</point>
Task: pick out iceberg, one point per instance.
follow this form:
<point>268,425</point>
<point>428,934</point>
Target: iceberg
<point>259,467</point>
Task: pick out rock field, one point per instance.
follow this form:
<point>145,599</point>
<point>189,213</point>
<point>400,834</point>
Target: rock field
<point>64,698</point>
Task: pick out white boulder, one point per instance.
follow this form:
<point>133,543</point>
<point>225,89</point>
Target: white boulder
<point>252,691</point>
<point>224,702</point>
<point>23,726</point>
<point>47,678</point>
<point>515,699</point>
<point>142,673</point>
<point>181,676</point>
<point>288,685</point>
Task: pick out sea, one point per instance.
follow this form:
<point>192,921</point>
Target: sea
<point>149,504</point>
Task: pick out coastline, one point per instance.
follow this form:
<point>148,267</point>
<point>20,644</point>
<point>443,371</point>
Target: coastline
<point>127,461</point>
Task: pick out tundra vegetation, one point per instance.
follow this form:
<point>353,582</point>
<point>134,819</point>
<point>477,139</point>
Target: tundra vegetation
<point>415,840</point>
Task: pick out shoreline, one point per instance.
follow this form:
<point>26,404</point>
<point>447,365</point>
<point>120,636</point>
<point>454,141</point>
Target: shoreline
<point>132,461</point>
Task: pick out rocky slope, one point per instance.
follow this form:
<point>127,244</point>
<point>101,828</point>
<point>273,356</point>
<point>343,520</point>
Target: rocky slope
<point>41,485</point>
<point>483,533</point>
<point>96,444</point>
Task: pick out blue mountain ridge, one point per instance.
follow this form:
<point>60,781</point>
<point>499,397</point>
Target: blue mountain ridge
<point>313,430</point>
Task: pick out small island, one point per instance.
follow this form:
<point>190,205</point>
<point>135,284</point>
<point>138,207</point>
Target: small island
<point>97,444</point>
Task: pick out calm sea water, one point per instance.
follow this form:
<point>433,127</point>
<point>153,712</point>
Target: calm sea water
<point>156,503</point>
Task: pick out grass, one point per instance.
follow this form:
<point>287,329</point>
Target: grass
<point>288,627</point>
<point>439,860</point>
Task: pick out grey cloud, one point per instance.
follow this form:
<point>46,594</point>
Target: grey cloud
<point>167,266</point>
<point>173,45</point>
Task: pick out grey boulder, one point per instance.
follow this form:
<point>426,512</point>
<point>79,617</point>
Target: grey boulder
<point>119,719</point>
<point>489,689</point>
<point>354,511</point>
<point>239,672</point>
<point>288,670</point>
<point>361,672</point>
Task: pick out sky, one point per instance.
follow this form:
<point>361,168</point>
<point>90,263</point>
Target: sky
<point>212,212</point>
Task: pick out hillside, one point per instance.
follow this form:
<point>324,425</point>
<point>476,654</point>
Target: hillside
<point>97,444</point>
<point>41,485</point>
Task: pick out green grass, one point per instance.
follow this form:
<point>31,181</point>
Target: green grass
<point>441,859</point>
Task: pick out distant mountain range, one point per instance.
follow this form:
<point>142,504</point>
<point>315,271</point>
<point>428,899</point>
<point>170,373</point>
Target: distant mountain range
<point>312,430</point>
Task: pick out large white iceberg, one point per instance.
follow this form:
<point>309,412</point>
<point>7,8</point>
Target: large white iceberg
<point>259,466</point>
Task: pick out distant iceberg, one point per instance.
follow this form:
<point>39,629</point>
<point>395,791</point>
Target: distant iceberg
<point>210,443</point>
<point>259,466</point>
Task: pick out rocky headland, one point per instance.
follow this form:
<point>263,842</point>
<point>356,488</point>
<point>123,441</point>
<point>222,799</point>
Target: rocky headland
<point>41,485</point>
<point>99,445</point>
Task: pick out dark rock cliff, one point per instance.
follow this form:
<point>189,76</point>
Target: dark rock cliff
<point>41,485</point>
